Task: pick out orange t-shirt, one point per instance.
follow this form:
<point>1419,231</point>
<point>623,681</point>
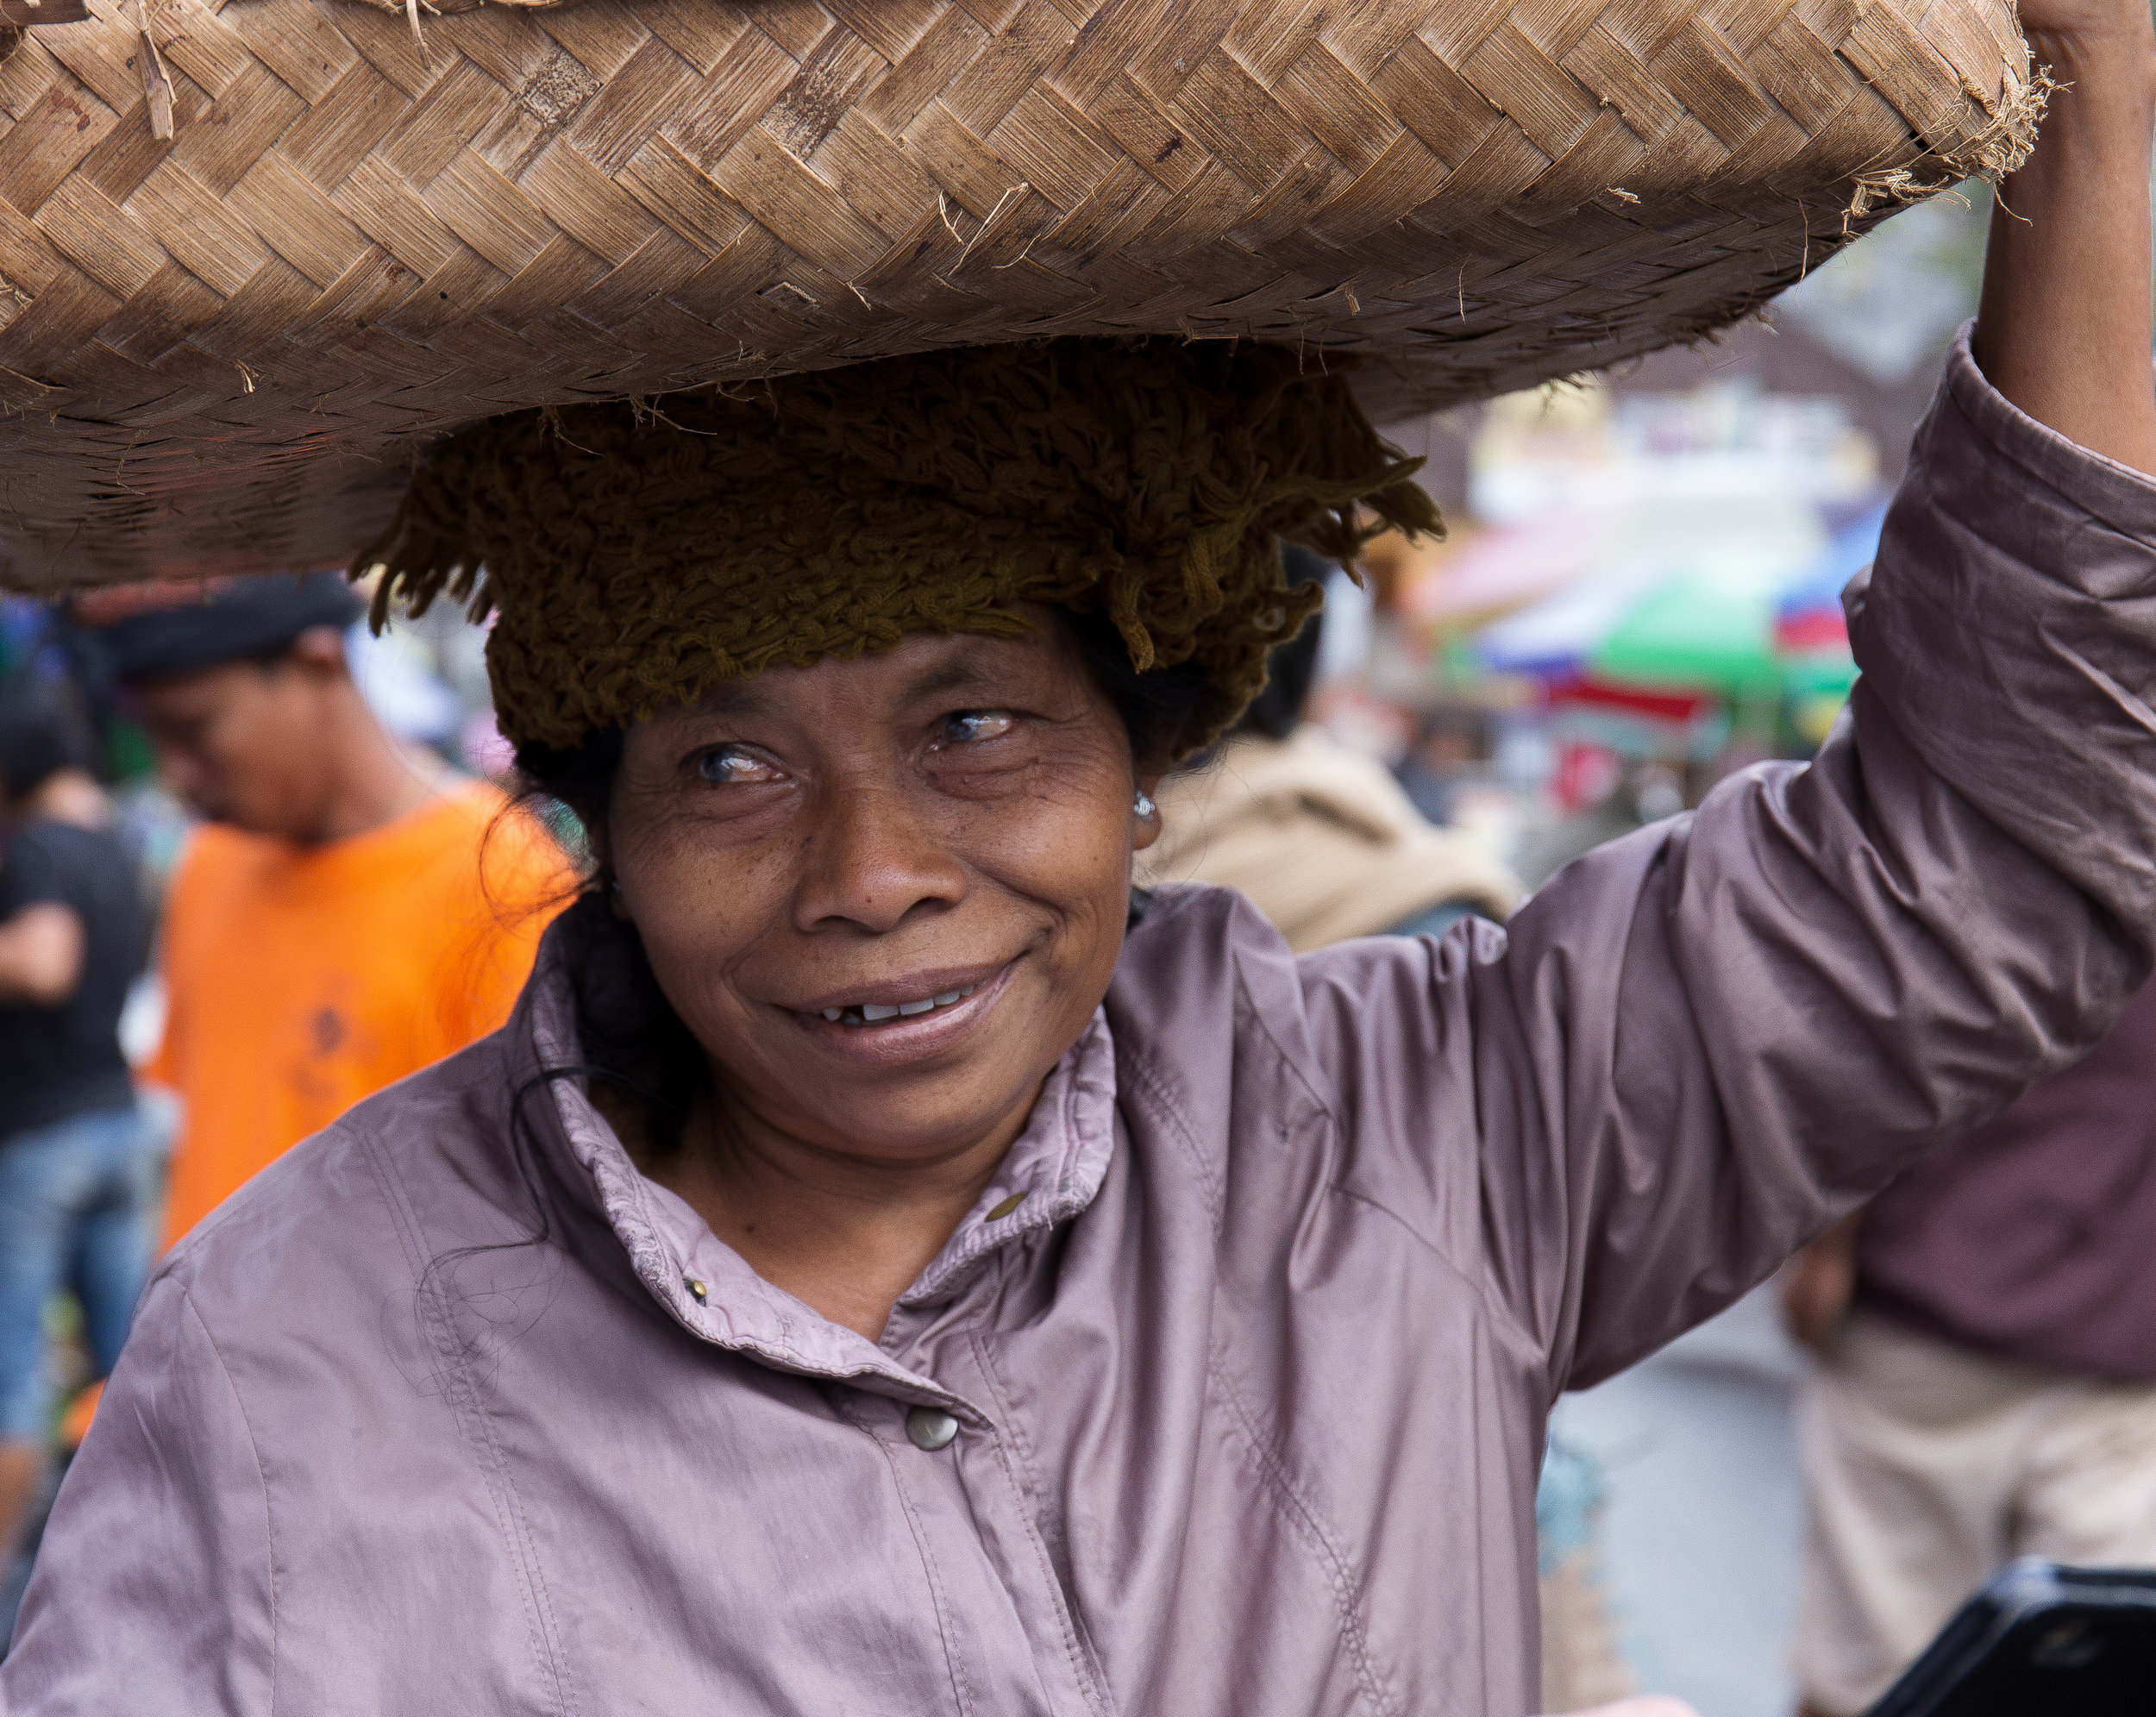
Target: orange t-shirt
<point>300,980</point>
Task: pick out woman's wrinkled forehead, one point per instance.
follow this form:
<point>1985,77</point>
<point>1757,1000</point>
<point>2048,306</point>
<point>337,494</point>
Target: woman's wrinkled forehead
<point>922,668</point>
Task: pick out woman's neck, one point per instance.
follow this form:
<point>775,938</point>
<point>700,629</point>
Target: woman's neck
<point>845,1235</point>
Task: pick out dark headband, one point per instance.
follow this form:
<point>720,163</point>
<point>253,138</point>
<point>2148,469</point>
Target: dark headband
<point>182,632</point>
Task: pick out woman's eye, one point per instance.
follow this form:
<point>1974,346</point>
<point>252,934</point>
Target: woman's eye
<point>968,727</point>
<point>731,766</point>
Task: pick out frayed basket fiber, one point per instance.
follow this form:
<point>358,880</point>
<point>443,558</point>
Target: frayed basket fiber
<point>254,253</point>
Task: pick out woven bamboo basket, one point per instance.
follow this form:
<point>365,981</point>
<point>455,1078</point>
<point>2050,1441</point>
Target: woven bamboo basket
<point>253,252</point>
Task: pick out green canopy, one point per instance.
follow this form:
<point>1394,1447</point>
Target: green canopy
<point>1713,630</point>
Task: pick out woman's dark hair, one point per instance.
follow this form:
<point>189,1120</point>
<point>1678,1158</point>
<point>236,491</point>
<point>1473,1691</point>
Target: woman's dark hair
<point>581,777</point>
<point>40,733</point>
<point>1155,707</point>
<point>1277,711</point>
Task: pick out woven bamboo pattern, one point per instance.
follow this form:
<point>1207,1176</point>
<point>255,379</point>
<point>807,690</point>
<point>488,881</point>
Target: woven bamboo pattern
<point>252,253</point>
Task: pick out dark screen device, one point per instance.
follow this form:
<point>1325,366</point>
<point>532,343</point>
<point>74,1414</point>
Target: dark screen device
<point>2040,1641</point>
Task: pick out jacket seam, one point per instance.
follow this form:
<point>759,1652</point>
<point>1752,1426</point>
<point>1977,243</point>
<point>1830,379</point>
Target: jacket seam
<point>1493,1304</point>
<point>1013,1451</point>
<point>565,1687</point>
<point>1294,1061</point>
<point>402,1217</point>
<point>542,1632</point>
<point>509,1514</point>
<point>962,1690</point>
<point>262,1476</point>
<point>1150,1089</point>
<point>1333,1560</point>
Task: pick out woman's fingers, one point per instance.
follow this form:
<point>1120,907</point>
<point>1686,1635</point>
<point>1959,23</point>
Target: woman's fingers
<point>1653,1707</point>
<point>2082,18</point>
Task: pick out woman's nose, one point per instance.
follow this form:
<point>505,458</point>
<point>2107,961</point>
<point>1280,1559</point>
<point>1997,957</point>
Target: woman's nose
<point>872,858</point>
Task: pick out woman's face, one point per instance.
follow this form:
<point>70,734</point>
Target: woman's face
<point>885,895</point>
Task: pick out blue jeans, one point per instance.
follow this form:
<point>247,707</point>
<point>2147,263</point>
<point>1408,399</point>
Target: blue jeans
<point>78,1209</point>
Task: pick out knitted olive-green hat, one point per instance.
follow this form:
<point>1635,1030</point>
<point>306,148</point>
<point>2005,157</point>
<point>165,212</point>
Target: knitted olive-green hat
<point>635,554</point>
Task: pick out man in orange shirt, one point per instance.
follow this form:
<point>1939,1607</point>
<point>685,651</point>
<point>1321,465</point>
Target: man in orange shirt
<point>352,910</point>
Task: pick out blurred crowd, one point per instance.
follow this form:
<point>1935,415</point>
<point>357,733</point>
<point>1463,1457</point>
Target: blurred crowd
<point>259,862</point>
<point>254,870</point>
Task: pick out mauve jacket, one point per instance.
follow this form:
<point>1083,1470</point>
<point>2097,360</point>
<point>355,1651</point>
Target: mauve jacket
<point>439,1414</point>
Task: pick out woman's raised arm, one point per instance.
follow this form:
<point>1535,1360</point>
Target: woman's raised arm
<point>2065,331</point>
<point>1697,1047</point>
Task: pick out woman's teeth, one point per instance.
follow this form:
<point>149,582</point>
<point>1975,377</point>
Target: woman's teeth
<point>871,1012</point>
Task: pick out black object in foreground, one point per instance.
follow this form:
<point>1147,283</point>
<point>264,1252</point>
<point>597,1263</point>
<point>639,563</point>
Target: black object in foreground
<point>2040,1640</point>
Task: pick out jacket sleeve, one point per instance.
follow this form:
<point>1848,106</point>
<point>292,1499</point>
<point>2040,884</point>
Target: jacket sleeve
<point>153,1587</point>
<point>1699,1045</point>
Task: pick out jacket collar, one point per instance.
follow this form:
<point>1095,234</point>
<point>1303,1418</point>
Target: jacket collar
<point>590,966</point>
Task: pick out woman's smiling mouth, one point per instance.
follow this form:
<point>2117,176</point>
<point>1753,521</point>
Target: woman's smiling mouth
<point>875,1012</point>
<point>907,1018</point>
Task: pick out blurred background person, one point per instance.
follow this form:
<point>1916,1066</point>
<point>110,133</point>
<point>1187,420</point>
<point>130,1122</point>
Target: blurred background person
<point>352,909</point>
<point>1647,790</point>
<point>1987,1383</point>
<point>1320,837</point>
<point>1451,750</point>
<point>78,1166</point>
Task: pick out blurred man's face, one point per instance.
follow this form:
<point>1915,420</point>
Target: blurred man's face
<point>246,743</point>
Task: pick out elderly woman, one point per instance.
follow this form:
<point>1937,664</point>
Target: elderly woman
<point>880,1269</point>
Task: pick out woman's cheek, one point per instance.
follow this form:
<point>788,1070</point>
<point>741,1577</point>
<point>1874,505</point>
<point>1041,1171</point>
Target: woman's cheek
<point>693,911</point>
<point>1058,852</point>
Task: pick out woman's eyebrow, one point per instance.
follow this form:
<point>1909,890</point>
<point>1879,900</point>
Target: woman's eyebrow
<point>954,674</point>
<point>728,698</point>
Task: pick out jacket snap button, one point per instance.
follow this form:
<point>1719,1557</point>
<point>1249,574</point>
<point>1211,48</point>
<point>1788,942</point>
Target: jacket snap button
<point>929,1428</point>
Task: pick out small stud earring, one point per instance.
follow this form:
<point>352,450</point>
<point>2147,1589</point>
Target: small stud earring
<point>1144,806</point>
